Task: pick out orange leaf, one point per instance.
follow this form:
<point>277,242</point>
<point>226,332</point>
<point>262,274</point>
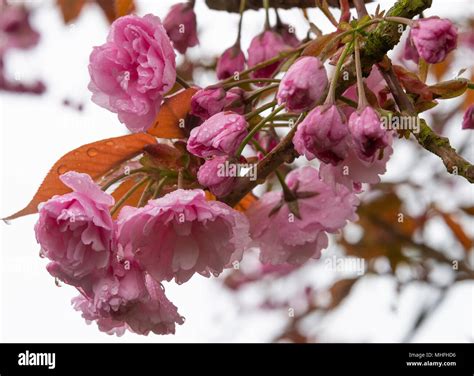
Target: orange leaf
<point>245,203</point>
<point>172,114</point>
<point>94,159</point>
<point>70,9</point>
<point>469,99</point>
<point>458,231</point>
<point>123,7</point>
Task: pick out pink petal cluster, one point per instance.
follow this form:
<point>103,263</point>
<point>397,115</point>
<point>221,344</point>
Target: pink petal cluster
<point>180,24</point>
<point>133,70</point>
<point>323,134</point>
<point>181,234</point>
<point>232,61</point>
<point>78,235</point>
<point>264,47</point>
<point>285,238</point>
<point>303,85</point>
<point>76,231</point>
<point>468,118</point>
<point>221,134</point>
<point>431,38</point>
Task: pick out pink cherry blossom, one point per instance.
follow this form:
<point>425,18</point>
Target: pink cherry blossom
<point>231,61</point>
<point>323,134</point>
<point>133,70</point>
<point>213,174</point>
<point>264,47</point>
<point>181,234</point>
<point>207,102</point>
<point>76,231</point>
<point>433,39</point>
<point>285,238</point>
<point>180,24</point>
<point>221,134</point>
<point>468,118</point>
<point>303,85</point>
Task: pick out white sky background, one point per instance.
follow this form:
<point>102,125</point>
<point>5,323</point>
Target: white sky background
<point>36,130</point>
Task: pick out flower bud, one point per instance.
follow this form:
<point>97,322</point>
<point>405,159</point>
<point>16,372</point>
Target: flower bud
<point>180,25</point>
<point>303,85</point>
<point>231,62</point>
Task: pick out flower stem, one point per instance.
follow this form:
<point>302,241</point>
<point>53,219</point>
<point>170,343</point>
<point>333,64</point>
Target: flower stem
<point>250,81</point>
<point>331,98</point>
<point>145,194</point>
<point>255,129</point>
<point>127,195</point>
<point>182,82</point>
<point>260,109</point>
<point>362,103</point>
<point>258,92</point>
<point>401,20</point>
<point>120,177</point>
<point>266,5</point>
<point>243,3</point>
<point>159,187</point>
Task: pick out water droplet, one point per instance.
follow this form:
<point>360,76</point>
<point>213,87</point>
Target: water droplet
<point>92,152</point>
<point>61,169</point>
<point>6,221</point>
<point>110,143</point>
<point>183,319</point>
<point>56,281</point>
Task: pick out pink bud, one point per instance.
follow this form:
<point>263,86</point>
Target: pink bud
<point>219,135</point>
<point>180,25</point>
<point>368,133</point>
<point>231,62</point>
<point>234,100</point>
<point>433,38</point>
<point>264,47</point>
<point>208,102</point>
<point>322,135</point>
<point>468,119</point>
<point>303,85</point>
<point>287,32</point>
<point>218,175</point>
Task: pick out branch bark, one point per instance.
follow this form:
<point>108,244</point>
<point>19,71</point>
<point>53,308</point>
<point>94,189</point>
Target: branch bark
<point>438,145</point>
<point>381,40</point>
<point>233,5</point>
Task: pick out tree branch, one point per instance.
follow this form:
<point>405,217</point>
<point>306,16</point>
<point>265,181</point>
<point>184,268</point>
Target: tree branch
<point>233,5</point>
<point>381,40</point>
<point>426,137</point>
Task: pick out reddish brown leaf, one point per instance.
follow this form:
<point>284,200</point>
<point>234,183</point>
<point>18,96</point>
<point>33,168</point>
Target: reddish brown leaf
<point>316,46</point>
<point>340,290</point>
<point>457,231</point>
<point>449,89</point>
<point>123,7</point>
<point>245,203</point>
<point>172,114</point>
<point>412,83</point>
<point>95,159</point>
<point>70,9</point>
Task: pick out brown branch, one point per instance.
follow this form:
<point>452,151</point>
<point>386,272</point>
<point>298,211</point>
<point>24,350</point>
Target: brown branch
<point>233,5</point>
<point>380,41</point>
<point>426,137</point>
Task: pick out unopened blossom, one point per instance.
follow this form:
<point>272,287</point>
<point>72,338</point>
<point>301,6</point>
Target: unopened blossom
<point>263,47</point>
<point>267,140</point>
<point>235,100</point>
<point>368,133</point>
<point>181,234</point>
<point>468,118</point>
<point>15,28</point>
<point>221,134</point>
<point>218,174</point>
<point>288,34</point>
<point>285,238</point>
<point>230,62</point>
<point>76,231</point>
<point>323,134</point>
<point>433,38</point>
<point>303,85</point>
<point>207,102</point>
<point>180,24</point>
<point>133,70</point>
